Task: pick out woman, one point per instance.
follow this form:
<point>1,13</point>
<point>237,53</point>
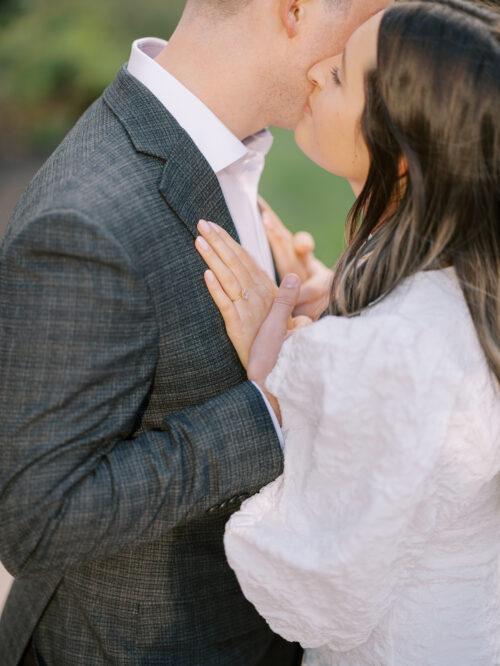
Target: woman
<point>380,542</point>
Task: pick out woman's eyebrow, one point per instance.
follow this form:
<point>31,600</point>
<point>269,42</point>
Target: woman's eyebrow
<point>343,64</point>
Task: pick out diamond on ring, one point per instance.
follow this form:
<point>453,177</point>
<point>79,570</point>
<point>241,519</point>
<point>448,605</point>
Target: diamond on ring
<point>244,294</point>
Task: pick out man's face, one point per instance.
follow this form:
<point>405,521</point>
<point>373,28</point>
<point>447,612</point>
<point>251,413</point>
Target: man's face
<point>322,33</point>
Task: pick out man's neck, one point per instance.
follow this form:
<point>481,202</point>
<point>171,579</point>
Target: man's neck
<point>214,67</point>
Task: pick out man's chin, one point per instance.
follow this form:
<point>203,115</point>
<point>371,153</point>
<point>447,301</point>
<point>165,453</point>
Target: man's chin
<point>291,122</point>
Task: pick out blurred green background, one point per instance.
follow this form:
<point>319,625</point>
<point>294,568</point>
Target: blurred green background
<point>56,57</point>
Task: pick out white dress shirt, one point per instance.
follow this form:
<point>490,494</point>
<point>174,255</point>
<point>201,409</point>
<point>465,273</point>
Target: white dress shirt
<point>238,165</point>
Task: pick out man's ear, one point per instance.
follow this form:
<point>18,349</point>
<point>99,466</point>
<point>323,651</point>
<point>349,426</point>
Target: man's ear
<point>291,13</point>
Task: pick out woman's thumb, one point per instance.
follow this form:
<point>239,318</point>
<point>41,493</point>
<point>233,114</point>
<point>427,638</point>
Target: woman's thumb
<point>286,299</point>
<point>272,334</point>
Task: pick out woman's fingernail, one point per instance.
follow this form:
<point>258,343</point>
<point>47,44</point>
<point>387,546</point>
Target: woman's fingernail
<point>203,226</point>
<point>202,243</point>
<point>291,281</point>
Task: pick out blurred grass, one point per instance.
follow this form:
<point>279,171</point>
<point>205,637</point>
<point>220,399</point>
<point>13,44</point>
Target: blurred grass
<point>56,56</point>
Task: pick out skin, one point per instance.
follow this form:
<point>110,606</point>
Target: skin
<point>257,327</point>
<point>294,253</point>
<point>272,44</point>
<point>329,133</point>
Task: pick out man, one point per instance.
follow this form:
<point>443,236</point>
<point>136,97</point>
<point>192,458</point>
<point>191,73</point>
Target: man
<point>128,428</point>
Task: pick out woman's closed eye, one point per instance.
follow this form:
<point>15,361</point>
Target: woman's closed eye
<point>336,76</point>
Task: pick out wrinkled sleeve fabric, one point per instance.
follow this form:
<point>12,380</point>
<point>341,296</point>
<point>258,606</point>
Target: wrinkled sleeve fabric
<point>78,351</point>
<point>365,404</point>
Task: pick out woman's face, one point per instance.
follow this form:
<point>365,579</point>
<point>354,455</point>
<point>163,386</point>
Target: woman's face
<point>330,131</point>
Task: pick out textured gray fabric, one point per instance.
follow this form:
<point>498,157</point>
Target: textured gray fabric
<point>128,431</point>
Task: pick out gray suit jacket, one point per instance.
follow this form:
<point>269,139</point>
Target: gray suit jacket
<point>128,430</point>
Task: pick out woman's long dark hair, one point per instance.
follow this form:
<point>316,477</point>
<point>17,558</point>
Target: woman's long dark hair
<point>432,127</point>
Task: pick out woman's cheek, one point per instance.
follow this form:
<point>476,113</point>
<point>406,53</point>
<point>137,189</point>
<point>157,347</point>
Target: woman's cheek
<point>326,137</point>
<point>309,136</point>
<point>334,145</point>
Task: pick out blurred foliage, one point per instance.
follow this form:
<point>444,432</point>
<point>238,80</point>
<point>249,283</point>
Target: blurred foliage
<point>8,9</point>
<point>56,57</point>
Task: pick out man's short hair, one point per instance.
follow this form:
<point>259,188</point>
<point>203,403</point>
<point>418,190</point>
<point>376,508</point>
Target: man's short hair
<point>224,7</point>
<point>228,7</point>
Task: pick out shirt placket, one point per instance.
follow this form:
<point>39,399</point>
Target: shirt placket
<point>251,171</point>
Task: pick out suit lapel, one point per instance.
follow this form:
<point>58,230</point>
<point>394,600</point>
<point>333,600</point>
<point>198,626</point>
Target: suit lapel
<point>188,184</point>
<point>192,190</point>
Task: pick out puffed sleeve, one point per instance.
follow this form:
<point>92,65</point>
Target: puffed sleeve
<point>365,403</point>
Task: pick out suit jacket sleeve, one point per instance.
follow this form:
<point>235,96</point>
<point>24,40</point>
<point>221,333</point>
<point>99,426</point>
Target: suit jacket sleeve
<point>78,347</point>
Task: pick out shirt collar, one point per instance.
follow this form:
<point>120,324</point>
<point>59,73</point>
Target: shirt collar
<point>220,147</point>
<point>259,143</point>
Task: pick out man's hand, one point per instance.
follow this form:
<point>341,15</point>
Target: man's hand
<point>294,253</point>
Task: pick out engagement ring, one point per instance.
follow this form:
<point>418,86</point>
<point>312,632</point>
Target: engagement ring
<point>245,295</point>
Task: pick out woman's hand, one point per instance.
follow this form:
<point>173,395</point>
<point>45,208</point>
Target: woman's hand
<point>273,332</point>
<point>294,253</point>
<point>243,292</point>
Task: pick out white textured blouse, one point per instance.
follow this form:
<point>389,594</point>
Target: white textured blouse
<point>379,545</point>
